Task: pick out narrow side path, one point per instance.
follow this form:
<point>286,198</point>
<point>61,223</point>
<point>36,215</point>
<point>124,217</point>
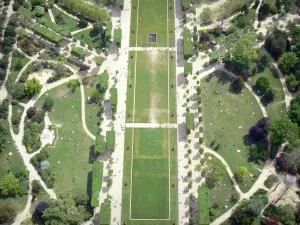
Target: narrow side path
<point>151,125</point>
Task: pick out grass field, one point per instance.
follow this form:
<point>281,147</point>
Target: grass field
<point>152,17</point>
<point>90,38</point>
<point>276,109</point>
<point>150,82</point>
<point>226,120</point>
<point>151,184</point>
<point>68,160</point>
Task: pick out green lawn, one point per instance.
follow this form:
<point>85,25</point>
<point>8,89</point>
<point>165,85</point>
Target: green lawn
<point>70,23</point>
<point>18,62</point>
<point>91,110</point>
<point>203,201</point>
<point>152,17</point>
<point>276,109</point>
<point>222,193</point>
<point>151,86</point>
<point>13,163</point>
<point>226,120</point>
<point>90,38</point>
<point>69,161</point>
<point>150,177</point>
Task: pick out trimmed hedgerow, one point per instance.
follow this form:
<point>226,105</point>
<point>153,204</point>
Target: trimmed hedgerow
<point>47,34</point>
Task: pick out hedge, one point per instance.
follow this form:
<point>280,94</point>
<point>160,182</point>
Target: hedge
<point>185,4</point>
<point>190,121</point>
<point>203,202</point>
<point>187,44</point>
<point>97,183</point>
<point>47,34</point>
<point>78,52</point>
<point>118,36</point>
<point>53,26</point>
<point>89,11</point>
<point>100,145</point>
<point>105,214</point>
<point>188,69</point>
<point>110,140</point>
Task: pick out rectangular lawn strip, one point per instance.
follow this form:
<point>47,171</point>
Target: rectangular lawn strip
<point>92,118</point>
<point>47,34</point>
<point>110,139</point>
<point>171,23</point>
<point>222,194</point>
<point>72,164</point>
<point>151,90</point>
<point>172,90</point>
<point>70,23</point>
<point>150,184</point>
<point>152,18</point>
<point>190,121</point>
<point>203,201</point>
<point>227,118</point>
<point>276,109</point>
<point>130,87</point>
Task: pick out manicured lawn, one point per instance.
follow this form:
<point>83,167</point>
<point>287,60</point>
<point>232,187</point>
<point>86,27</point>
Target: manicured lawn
<point>70,23</point>
<point>221,194</point>
<point>226,121</point>
<point>276,109</point>
<point>232,6</point>
<point>71,158</point>
<point>13,163</point>
<point>150,177</point>
<point>151,86</point>
<point>89,38</point>
<point>91,110</point>
<point>152,17</point>
<point>203,201</point>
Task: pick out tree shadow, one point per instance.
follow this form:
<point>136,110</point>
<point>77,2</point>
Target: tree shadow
<point>92,155</point>
<point>89,184</point>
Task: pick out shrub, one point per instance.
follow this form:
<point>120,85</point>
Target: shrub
<point>39,11</point>
<point>36,187</point>
<point>190,121</point>
<point>270,181</point>
<point>97,183</point>
<point>187,44</point>
<point>7,213</point>
<point>188,69</point>
<point>292,83</point>
<point>262,85</point>
<point>48,104</point>
<point>99,60</point>
<point>118,36</point>
<point>206,16</point>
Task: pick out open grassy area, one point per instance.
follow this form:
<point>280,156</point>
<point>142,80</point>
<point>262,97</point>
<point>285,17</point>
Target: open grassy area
<point>276,109</point>
<point>69,23</point>
<point>152,17</point>
<point>222,193</point>
<point>226,121</point>
<point>150,82</point>
<point>13,163</point>
<point>72,157</point>
<point>150,177</point>
<point>90,38</point>
<point>232,6</point>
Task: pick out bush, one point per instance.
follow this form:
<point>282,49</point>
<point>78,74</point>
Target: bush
<point>185,4</point>
<point>39,11</point>
<point>292,83</point>
<point>270,181</point>
<point>99,60</point>
<point>118,36</point>
<point>237,85</point>
<point>36,187</point>
<point>48,104</point>
<point>262,85</point>
<point>188,69</point>
<point>187,44</point>
<point>206,16</point>
<point>97,183</point>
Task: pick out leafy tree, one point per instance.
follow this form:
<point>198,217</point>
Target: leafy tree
<point>263,62</point>
<point>48,104</point>
<point>269,96</point>
<point>293,158</point>
<point>31,112</point>
<point>287,61</point>
<point>276,43</point>
<point>32,87</point>
<point>7,213</point>
<point>81,199</point>
<point>74,84</point>
<point>36,187</point>
<point>264,11</point>
<point>259,132</point>
<point>9,185</point>
<point>254,206</point>
<point>237,85</point>
<point>292,83</point>
<point>283,130</point>
<point>206,16</point>
<point>39,11</point>
<point>242,174</point>
<point>262,85</point>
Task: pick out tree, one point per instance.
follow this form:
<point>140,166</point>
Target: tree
<point>254,206</point>
<point>263,12</point>
<point>287,61</point>
<point>237,85</point>
<point>293,158</point>
<point>48,104</point>
<point>74,84</point>
<point>9,185</point>
<point>242,174</point>
<point>39,11</point>
<point>7,213</point>
<point>262,85</point>
<point>36,187</point>
<point>32,87</point>
<point>276,43</point>
<point>269,96</point>
<point>292,83</point>
<point>206,16</point>
<point>259,132</point>
<point>283,130</point>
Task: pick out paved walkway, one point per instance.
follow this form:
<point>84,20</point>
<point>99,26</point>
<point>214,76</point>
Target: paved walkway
<point>51,15</point>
